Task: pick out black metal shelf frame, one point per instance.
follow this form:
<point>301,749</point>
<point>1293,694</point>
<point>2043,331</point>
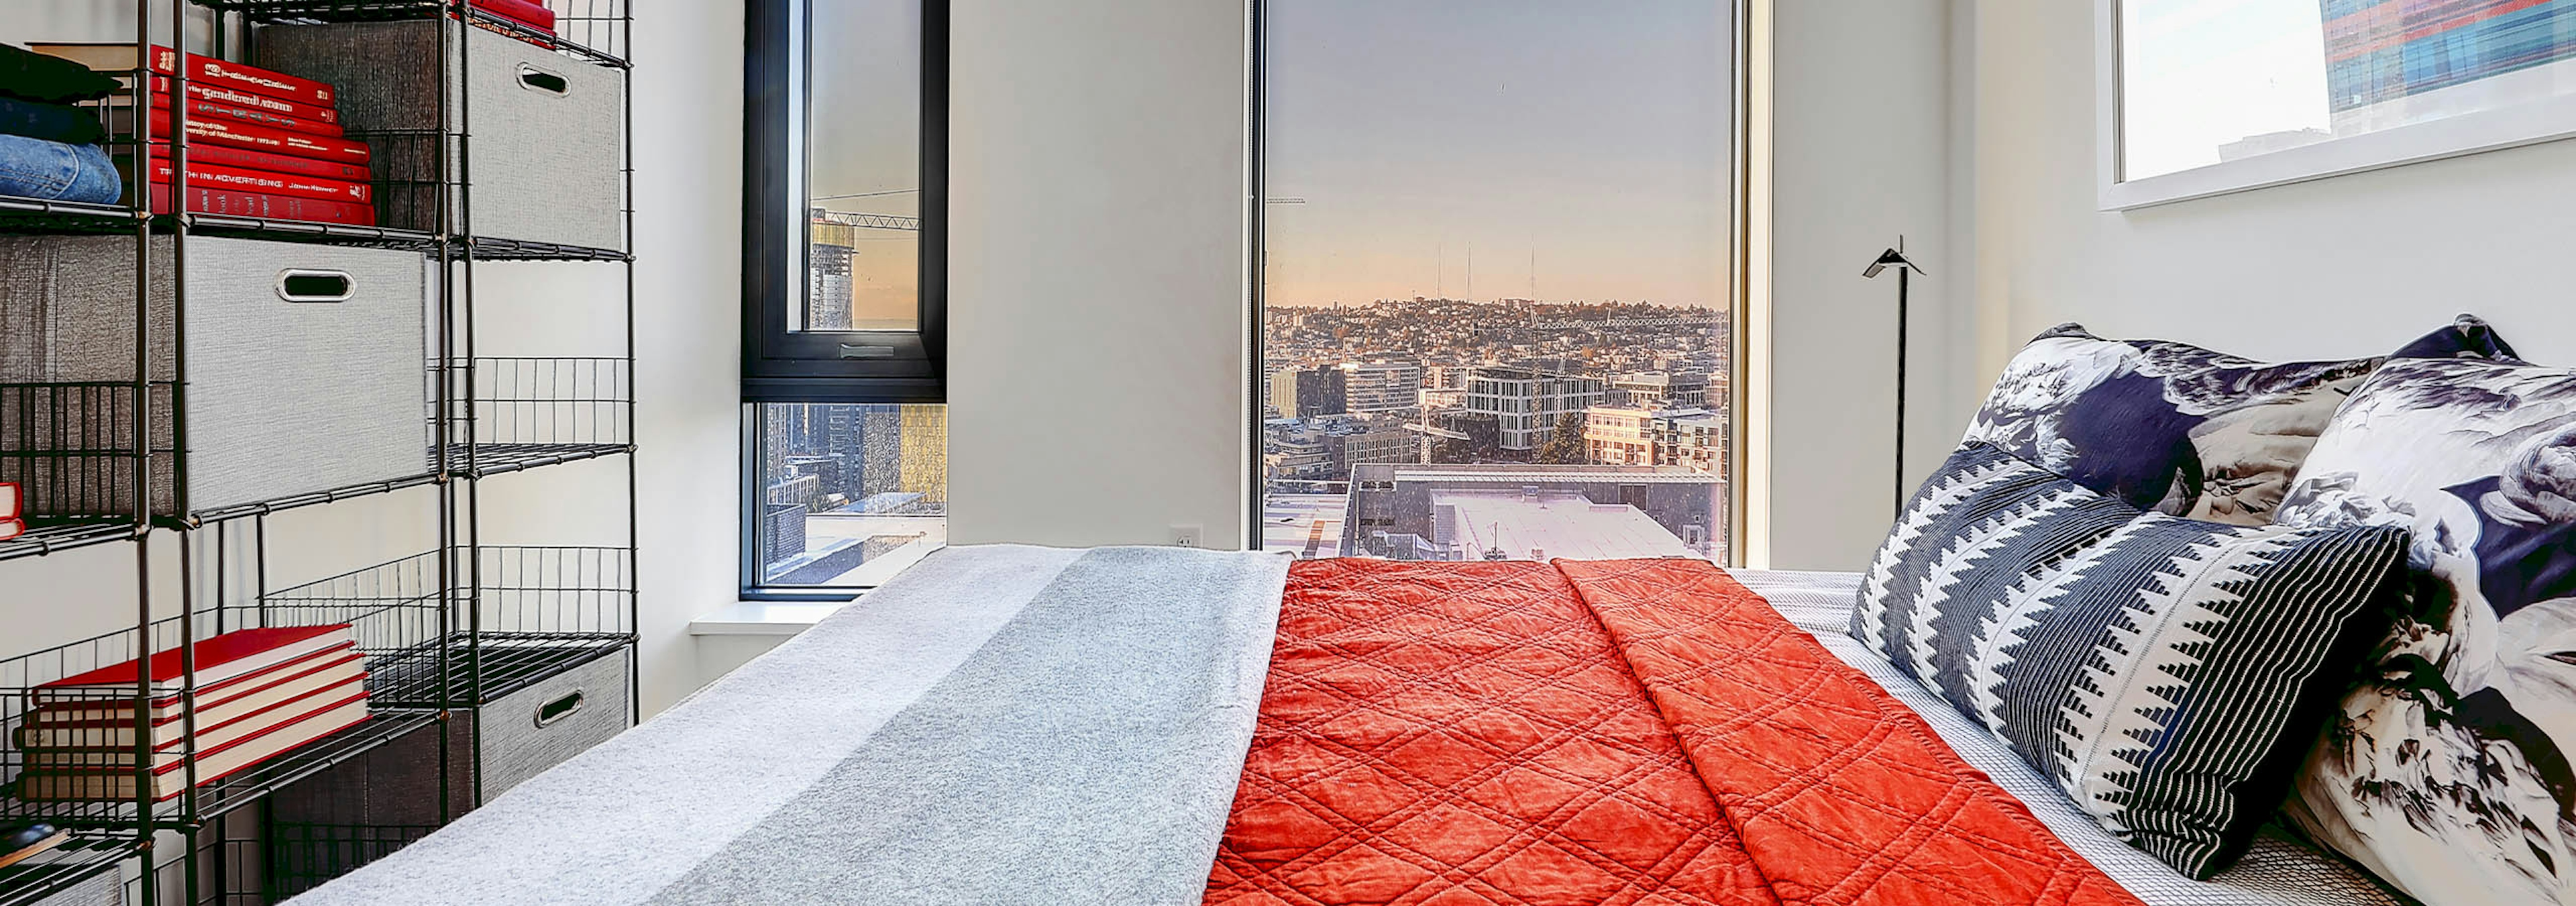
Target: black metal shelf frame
<point>86,855</point>
<point>425,646</point>
<point>591,30</point>
<point>572,605</point>
<point>45,537</point>
<point>537,611</point>
<point>31,216</point>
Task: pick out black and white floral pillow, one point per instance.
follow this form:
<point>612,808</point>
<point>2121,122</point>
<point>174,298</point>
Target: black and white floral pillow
<point>2179,429</point>
<point>2448,773</point>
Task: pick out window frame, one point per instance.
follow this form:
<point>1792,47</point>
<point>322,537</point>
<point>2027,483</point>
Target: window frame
<point>874,366</point>
<point>1748,278</point>
<point>842,367</point>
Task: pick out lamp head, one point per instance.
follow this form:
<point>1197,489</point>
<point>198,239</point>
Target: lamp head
<point>1894,257</point>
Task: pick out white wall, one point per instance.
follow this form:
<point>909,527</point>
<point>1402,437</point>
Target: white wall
<point>688,357</point>
<point>1969,126</point>
<point>688,150</point>
<point>1096,271</point>
<point>1860,154</point>
<point>2335,268</point>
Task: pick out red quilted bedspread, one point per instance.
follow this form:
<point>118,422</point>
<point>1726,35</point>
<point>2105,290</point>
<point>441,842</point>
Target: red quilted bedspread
<point>1640,731</point>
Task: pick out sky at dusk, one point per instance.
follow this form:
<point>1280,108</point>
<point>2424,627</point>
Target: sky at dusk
<point>1592,135</point>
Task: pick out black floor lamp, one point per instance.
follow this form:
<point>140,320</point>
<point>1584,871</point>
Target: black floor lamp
<point>1905,269</point>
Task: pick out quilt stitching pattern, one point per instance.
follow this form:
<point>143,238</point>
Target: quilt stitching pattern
<point>1631,732</point>
<point>1530,769</point>
<point>1838,791</point>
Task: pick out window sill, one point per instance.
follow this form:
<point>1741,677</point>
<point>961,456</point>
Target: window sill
<point>764,618</point>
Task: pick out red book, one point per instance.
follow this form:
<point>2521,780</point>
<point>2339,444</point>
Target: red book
<point>82,724</point>
<point>222,73</point>
<point>246,159</point>
<point>219,658</point>
<point>525,12</point>
<point>8,500</point>
<point>11,528</point>
<point>210,737</point>
<point>265,206</point>
<point>214,177</point>
<point>246,136</point>
<point>201,107</point>
<point>221,95</point>
<point>102,779</point>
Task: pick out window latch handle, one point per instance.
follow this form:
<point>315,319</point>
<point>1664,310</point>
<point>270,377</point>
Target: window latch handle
<point>849,351</point>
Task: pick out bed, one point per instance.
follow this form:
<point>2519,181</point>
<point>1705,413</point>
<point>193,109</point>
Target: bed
<point>1150,725</point>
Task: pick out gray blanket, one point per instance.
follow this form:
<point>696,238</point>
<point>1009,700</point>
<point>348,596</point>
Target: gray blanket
<point>996,725</point>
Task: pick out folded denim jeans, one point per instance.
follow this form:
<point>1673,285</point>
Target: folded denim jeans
<point>54,171</point>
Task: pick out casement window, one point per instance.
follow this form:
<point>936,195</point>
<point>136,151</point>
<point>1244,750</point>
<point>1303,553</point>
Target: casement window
<point>844,291</point>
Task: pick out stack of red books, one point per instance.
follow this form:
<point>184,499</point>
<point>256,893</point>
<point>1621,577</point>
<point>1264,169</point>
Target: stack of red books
<point>260,143</point>
<point>11,525</point>
<point>260,694</point>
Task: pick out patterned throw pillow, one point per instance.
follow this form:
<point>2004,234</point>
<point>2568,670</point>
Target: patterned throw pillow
<point>2448,775</point>
<point>2176,428</point>
<point>2169,673</point>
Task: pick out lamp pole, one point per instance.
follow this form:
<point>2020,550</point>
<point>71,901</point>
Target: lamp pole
<point>1905,270</point>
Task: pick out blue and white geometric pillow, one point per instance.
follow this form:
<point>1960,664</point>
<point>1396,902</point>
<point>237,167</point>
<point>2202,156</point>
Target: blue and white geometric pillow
<point>2169,673</point>
<point>2179,429</point>
<point>2448,773</point>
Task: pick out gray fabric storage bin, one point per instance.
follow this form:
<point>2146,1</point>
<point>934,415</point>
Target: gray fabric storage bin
<point>530,730</point>
<point>545,129</point>
<point>306,368</point>
<point>106,889</point>
<point>396,785</point>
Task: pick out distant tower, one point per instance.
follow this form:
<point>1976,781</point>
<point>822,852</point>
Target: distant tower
<point>829,283</point>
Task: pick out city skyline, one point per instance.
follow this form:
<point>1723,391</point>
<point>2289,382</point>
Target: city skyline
<point>1574,157</point>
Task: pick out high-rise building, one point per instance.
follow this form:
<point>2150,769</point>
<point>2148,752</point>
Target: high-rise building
<point>923,465</point>
<point>1310,392</point>
<point>827,278</point>
<point>1528,402</point>
<point>1381,386</point>
<point>1280,388</point>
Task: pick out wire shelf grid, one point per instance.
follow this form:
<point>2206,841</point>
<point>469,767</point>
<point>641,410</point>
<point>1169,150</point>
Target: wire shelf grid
<point>537,612</point>
<point>86,855</point>
<point>592,30</point>
<point>509,414</point>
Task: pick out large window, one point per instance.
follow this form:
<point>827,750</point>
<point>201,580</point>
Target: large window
<point>1496,286</point>
<point>845,453</point>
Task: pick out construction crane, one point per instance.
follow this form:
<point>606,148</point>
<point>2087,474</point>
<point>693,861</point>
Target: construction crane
<point>872,221</point>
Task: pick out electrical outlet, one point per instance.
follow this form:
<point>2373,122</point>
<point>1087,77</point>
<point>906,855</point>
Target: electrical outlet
<point>1189,536</point>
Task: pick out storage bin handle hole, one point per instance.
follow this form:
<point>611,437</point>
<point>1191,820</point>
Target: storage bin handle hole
<point>301,286</point>
<point>535,79</point>
<point>554,710</point>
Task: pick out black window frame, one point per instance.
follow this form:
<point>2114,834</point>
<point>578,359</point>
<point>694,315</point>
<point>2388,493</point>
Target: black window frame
<point>855,367</point>
<point>783,366</point>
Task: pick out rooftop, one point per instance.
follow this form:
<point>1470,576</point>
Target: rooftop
<point>1550,524</point>
<point>1517,475</point>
